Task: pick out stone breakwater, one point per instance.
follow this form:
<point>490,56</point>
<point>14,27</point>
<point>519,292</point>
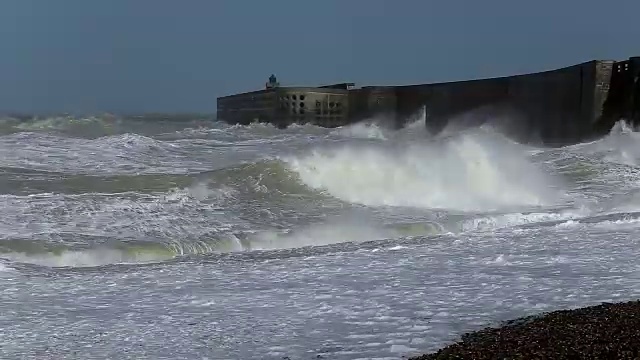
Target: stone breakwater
<point>555,107</point>
<point>605,331</point>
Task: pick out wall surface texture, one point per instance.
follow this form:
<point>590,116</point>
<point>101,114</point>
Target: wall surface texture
<point>553,107</point>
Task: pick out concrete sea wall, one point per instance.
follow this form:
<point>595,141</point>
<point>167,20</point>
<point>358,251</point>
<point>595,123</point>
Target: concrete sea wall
<point>623,96</point>
<point>553,107</point>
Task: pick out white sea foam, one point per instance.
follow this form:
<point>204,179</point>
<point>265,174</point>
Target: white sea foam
<point>362,130</point>
<point>427,277</point>
<point>620,146</point>
<point>474,171</point>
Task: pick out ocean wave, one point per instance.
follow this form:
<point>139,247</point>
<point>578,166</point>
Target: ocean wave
<point>338,230</point>
<point>106,251</point>
<point>470,172</point>
<point>254,187</point>
<point>113,154</point>
<point>95,126</point>
<point>190,212</point>
<point>619,146</point>
<point>132,252</point>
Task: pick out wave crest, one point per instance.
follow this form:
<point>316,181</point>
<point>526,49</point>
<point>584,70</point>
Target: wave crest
<point>470,172</point>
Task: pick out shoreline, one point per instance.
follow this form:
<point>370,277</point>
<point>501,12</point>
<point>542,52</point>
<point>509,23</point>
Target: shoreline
<point>604,331</point>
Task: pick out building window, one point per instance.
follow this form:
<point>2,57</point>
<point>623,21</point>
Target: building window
<point>302,97</point>
<point>293,97</point>
<point>301,104</point>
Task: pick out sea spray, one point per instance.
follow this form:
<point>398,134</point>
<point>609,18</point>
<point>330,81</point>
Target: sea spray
<point>471,172</point>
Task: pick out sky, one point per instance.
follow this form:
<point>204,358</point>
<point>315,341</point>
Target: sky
<point>178,56</point>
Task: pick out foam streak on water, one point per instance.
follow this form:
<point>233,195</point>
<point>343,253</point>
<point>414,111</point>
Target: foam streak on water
<point>165,238</point>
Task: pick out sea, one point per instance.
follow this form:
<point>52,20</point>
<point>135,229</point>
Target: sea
<point>156,238</point>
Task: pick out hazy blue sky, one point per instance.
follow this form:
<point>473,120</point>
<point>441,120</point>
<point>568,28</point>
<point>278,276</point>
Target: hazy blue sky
<point>170,55</point>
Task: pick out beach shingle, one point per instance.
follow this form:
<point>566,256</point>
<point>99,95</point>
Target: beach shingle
<point>605,331</point>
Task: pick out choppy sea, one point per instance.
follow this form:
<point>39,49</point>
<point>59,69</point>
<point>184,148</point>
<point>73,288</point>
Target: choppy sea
<point>193,239</point>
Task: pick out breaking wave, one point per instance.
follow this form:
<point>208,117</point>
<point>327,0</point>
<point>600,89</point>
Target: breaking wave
<point>620,146</point>
<point>159,196</point>
<point>471,172</point>
<point>339,230</point>
<point>134,252</point>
